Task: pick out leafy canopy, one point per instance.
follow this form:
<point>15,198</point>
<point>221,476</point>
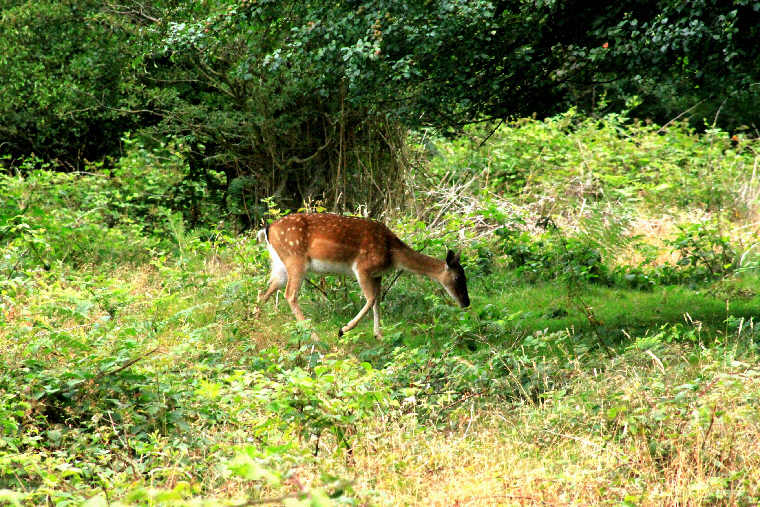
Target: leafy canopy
<point>450,62</point>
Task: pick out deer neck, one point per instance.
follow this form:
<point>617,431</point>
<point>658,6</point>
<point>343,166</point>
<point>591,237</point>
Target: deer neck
<point>410,260</point>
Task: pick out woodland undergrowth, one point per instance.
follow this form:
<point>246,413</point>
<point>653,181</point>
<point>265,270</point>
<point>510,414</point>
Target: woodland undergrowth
<point>609,356</point>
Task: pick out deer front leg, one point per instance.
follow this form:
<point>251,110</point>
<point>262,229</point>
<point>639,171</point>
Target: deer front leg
<point>371,289</point>
<point>376,312</point>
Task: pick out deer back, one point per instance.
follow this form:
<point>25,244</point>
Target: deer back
<point>328,243</point>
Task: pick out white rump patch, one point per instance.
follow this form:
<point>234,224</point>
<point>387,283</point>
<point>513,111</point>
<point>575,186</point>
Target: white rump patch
<point>279,271</point>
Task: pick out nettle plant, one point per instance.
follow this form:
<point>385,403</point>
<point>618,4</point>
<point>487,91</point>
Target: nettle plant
<point>707,251</point>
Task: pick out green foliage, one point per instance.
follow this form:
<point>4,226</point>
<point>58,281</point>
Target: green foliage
<point>63,67</point>
<point>706,253</point>
<point>706,249</point>
<point>266,131</point>
<point>310,101</point>
<point>552,256</point>
<point>570,156</point>
<point>102,215</point>
<point>332,395</point>
<point>137,365</point>
<point>610,173</point>
<point>436,381</point>
<point>447,64</point>
<point>99,404</point>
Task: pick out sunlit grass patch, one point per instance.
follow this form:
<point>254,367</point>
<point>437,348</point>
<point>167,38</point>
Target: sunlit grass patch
<point>653,432</point>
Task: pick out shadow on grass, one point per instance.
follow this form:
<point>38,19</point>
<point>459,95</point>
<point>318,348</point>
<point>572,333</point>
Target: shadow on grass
<point>620,311</point>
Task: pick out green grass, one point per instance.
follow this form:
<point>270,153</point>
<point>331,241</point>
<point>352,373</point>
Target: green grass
<point>157,381</point>
<point>413,303</point>
<point>619,309</point>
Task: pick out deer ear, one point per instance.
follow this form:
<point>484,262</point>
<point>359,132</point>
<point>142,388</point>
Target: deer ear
<point>452,258</point>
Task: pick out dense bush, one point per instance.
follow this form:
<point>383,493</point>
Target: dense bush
<point>68,97</point>
<point>705,249</point>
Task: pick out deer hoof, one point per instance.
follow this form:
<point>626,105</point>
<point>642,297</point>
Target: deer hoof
<point>340,332</point>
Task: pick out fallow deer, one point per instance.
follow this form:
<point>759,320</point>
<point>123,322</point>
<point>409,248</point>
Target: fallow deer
<point>333,244</point>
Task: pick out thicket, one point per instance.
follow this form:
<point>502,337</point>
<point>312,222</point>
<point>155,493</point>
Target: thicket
<point>448,64</point>
<point>66,88</point>
<point>84,75</point>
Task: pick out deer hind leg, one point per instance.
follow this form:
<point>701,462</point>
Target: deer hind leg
<point>276,281</point>
<point>371,289</point>
<point>296,274</point>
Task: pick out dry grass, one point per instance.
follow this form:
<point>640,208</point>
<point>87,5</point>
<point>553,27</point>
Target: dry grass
<point>699,449</point>
<point>653,231</point>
